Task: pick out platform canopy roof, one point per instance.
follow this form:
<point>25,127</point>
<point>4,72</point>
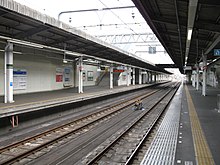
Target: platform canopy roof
<point>186,28</point>
<point>21,23</point>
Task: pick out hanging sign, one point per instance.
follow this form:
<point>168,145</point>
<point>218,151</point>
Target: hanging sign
<point>118,70</point>
<point>216,52</point>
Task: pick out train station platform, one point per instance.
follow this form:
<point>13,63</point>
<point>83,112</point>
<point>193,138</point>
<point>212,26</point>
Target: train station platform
<point>36,101</point>
<point>189,133</point>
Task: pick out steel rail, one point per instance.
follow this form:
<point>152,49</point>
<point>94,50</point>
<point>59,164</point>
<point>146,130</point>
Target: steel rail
<point>35,149</point>
<point>134,153</point>
<point>99,155</point>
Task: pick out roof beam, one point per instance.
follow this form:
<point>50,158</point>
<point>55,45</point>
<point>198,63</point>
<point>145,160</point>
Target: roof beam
<point>206,2</point>
<point>167,65</point>
<point>207,26</point>
<point>192,8</point>
<point>169,20</point>
<point>210,2</point>
<point>174,34</point>
<point>200,25</point>
<point>61,40</point>
<point>179,31</point>
<point>30,32</point>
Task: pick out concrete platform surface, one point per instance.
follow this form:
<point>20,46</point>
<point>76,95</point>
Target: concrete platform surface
<point>208,127</point>
<point>189,133</point>
<point>35,101</point>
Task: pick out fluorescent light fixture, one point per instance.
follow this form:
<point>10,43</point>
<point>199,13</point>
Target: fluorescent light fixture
<point>65,61</point>
<point>189,35</point>
<point>72,53</point>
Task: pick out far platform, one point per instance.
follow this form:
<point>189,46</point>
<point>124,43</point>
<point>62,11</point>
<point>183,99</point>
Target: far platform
<point>34,101</point>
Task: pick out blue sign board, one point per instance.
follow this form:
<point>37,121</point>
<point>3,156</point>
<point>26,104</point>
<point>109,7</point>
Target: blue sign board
<point>216,52</point>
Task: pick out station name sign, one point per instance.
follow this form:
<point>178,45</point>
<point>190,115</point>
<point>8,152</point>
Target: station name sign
<point>118,70</point>
<point>216,52</point>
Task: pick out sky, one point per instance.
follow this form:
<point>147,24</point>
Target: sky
<point>124,21</point>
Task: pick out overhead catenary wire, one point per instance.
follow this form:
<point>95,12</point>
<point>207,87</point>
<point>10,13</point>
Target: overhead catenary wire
<point>122,21</point>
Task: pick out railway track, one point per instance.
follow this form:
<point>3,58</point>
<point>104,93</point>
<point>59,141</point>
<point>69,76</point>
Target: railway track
<point>124,148</point>
<point>23,151</point>
<point>100,138</point>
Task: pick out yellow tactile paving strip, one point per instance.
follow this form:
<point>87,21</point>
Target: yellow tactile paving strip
<point>202,151</point>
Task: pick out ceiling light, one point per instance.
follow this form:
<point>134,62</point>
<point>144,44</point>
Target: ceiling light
<point>65,61</point>
<point>189,35</point>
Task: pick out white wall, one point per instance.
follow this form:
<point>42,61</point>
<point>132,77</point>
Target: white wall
<point>86,69</point>
<point>41,73</point>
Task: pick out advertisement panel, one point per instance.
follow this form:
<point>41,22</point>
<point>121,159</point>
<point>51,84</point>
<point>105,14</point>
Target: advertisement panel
<point>20,79</point>
<point>59,75</point>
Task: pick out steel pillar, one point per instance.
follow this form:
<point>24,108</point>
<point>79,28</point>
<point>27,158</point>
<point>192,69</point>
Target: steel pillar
<point>147,78</point>
<point>128,76</point>
<point>204,57</point>
<point>80,88</point>
<point>193,79</point>
<point>140,77</point>
<point>197,77</point>
<point>151,77</point>
<point>155,78</point>
<point>111,77</point>
<point>133,79</point>
<point>8,91</point>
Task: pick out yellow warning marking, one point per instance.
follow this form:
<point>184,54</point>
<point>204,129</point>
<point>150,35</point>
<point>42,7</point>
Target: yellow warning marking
<point>202,151</point>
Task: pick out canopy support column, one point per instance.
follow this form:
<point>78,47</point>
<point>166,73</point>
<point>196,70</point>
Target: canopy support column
<point>128,76</point>
<point>204,57</point>
<point>8,92</point>
<point>133,79</point>
<point>140,77</point>
<point>111,77</point>
<point>197,77</point>
<point>80,88</point>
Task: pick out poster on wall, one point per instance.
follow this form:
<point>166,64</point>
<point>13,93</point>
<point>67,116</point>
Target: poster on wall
<point>68,76</point>
<point>84,75</point>
<point>90,75</point>
<point>59,75</point>
<point>20,79</point>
